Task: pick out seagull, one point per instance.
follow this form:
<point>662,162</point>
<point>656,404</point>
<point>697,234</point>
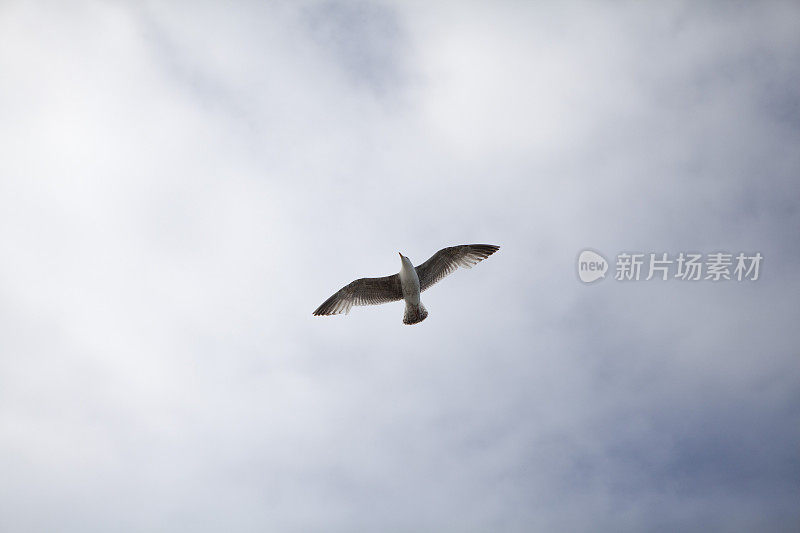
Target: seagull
<point>408,283</point>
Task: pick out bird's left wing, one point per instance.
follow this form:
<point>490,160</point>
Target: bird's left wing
<point>364,291</point>
<point>447,260</point>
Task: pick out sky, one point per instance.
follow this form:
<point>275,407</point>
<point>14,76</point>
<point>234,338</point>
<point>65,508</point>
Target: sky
<point>183,183</point>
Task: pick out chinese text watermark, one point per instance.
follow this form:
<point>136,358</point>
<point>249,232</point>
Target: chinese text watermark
<point>684,266</point>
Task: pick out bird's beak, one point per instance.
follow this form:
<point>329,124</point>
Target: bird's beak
<point>398,253</point>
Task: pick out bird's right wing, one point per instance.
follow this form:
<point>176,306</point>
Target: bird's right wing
<point>364,291</point>
<point>447,260</point>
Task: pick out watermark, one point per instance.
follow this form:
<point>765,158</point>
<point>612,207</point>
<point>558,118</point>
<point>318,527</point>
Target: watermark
<point>591,266</point>
<point>684,266</point>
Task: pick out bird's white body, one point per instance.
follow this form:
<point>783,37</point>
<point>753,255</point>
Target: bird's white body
<point>409,283</point>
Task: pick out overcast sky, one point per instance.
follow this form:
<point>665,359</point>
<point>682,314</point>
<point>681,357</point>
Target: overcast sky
<point>183,183</point>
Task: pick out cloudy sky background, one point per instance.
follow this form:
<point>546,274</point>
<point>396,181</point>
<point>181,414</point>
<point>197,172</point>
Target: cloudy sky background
<point>181,184</point>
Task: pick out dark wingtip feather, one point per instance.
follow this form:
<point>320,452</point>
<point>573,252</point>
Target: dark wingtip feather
<point>487,249</point>
<point>325,308</point>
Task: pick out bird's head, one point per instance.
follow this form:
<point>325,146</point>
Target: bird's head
<point>405,261</point>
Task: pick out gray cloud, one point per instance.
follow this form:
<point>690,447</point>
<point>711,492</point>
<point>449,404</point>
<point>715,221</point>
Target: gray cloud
<point>364,38</point>
<point>183,185</point>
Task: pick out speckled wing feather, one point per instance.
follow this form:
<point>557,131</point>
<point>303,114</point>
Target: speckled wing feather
<point>447,260</point>
<point>364,291</point>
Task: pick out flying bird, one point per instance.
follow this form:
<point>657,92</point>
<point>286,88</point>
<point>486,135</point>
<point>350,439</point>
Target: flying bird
<point>408,283</point>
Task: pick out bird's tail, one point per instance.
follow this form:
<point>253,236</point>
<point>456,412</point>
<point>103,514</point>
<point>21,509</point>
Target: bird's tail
<point>414,313</point>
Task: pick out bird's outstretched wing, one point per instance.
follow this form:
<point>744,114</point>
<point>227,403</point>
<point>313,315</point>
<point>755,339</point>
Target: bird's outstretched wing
<point>447,260</point>
<point>364,291</point>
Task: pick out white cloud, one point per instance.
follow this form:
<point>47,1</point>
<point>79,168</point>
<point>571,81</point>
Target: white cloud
<point>182,185</point>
